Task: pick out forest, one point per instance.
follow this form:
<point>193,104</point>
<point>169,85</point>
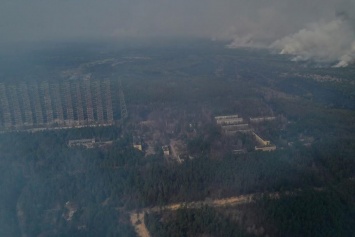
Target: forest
<point>40,174</point>
<point>51,189</point>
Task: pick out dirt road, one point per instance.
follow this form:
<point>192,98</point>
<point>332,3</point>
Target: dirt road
<point>137,219</point>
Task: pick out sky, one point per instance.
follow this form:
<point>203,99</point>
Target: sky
<point>322,30</point>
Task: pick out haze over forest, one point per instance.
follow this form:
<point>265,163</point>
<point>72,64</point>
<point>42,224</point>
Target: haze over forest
<point>321,30</point>
<point>177,118</point>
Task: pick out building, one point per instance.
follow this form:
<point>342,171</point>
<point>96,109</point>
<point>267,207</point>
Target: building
<point>261,119</point>
<point>264,145</point>
<point>137,143</point>
<point>261,141</point>
<point>232,124</point>
<point>166,150</point>
<point>267,148</point>
<point>228,119</point>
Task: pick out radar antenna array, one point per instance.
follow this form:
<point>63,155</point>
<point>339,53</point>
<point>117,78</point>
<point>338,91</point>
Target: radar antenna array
<point>124,113</point>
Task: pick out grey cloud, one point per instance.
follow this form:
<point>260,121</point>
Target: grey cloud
<point>39,19</point>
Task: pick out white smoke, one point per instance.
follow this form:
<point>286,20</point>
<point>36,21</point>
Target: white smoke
<point>332,41</point>
<point>246,41</point>
<point>348,58</point>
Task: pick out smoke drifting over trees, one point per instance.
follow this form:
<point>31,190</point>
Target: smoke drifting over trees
<point>324,41</point>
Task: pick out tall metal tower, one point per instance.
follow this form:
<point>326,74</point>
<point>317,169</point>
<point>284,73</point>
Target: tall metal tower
<point>6,113</point>
<point>47,102</point>
<point>124,113</point>
<point>108,100</point>
<point>15,104</point>
<point>26,104</point>
<point>37,104</point>
<point>58,106</point>
<point>88,98</point>
<point>68,103</point>
<point>79,104</point>
<point>98,102</point>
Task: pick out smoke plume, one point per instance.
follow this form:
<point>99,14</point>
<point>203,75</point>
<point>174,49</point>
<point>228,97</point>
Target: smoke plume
<point>332,41</point>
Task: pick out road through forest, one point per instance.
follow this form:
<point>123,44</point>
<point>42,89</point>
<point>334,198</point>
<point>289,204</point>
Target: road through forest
<point>137,217</point>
